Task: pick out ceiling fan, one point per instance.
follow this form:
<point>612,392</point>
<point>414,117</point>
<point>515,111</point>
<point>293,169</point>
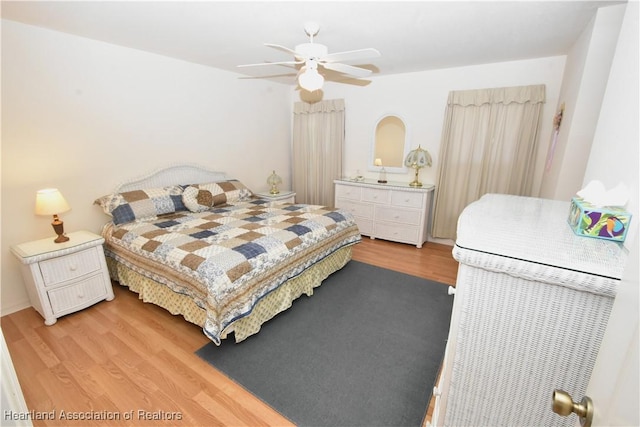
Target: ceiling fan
<point>313,55</point>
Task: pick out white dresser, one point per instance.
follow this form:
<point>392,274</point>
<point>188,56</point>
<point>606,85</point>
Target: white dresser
<point>532,301</point>
<point>392,211</point>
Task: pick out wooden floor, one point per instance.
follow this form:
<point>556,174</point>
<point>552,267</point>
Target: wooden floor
<point>128,363</point>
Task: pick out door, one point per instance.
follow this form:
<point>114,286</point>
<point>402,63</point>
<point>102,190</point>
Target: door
<point>614,386</point>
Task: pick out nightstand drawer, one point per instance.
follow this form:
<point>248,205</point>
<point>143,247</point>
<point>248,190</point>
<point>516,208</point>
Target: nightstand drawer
<point>70,266</point>
<point>78,295</point>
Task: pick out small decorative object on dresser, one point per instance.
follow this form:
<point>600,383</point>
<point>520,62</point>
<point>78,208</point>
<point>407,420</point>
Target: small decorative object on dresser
<point>62,278</point>
<point>417,159</point>
<point>274,180</point>
<point>390,211</point>
<point>281,197</point>
<point>382,177</point>
<point>51,202</point>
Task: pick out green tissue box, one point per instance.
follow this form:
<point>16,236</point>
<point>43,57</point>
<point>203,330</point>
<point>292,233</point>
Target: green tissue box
<point>602,222</point>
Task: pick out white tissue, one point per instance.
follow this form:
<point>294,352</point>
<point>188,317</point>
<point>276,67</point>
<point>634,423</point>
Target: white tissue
<point>596,194</point>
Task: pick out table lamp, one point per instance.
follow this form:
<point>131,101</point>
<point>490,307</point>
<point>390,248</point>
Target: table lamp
<point>417,159</point>
<point>382,177</point>
<point>274,180</point>
<point>51,202</point>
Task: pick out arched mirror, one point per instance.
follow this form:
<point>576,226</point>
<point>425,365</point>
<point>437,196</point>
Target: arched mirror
<point>389,145</point>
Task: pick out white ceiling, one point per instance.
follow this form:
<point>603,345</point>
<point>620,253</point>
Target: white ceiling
<point>411,36</point>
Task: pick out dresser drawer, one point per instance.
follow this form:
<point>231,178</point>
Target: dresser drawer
<point>365,226</point>
<point>396,232</point>
<point>357,209</point>
<point>348,192</point>
<point>78,295</point>
<point>407,199</point>
<point>69,267</point>
<point>376,195</point>
<point>401,216</point>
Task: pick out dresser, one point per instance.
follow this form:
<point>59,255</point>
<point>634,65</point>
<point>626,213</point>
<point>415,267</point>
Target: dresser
<point>392,211</point>
<point>62,278</point>
<point>531,305</point>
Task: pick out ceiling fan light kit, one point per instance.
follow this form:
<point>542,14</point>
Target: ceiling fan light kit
<point>311,80</point>
<point>314,55</point>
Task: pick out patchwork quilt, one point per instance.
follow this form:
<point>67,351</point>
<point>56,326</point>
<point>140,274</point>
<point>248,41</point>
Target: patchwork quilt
<point>229,257</point>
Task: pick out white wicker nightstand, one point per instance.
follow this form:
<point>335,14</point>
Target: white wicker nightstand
<point>281,197</point>
<point>63,278</point>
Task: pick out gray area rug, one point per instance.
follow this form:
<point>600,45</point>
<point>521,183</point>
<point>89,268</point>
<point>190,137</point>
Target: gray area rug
<point>364,350</point>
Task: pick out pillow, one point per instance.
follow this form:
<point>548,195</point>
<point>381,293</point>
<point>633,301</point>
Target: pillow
<point>202,197</point>
<point>142,204</point>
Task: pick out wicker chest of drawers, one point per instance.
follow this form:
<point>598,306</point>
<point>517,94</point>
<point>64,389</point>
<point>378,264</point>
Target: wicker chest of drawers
<point>392,211</point>
<point>532,302</point>
<point>62,278</point>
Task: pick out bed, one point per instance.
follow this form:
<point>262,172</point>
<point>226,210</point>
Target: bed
<point>200,244</point>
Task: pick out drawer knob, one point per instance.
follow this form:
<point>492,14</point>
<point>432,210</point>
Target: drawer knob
<point>73,267</point>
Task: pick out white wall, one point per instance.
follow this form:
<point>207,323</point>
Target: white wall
<point>583,87</point>
<point>614,158</point>
<point>83,116</point>
<point>614,155</point>
<point>421,97</point>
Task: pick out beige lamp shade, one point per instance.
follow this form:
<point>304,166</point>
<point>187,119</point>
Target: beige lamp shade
<point>50,202</point>
<point>418,158</point>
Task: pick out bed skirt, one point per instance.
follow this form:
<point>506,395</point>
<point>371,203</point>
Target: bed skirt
<point>266,308</point>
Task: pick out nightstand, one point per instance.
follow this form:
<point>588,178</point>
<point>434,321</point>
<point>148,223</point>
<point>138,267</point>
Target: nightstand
<point>63,278</point>
<point>281,197</point>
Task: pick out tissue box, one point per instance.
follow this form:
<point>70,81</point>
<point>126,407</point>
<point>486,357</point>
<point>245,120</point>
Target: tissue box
<point>608,222</point>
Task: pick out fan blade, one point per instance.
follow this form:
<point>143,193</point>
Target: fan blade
<point>346,69</point>
<point>351,55</point>
<point>282,48</point>
<point>271,63</point>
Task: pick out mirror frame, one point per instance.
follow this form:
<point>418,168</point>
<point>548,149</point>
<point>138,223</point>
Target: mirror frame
<point>372,157</point>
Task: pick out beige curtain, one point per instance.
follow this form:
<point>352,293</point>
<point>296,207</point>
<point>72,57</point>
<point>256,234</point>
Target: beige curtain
<point>488,145</point>
<point>318,144</point>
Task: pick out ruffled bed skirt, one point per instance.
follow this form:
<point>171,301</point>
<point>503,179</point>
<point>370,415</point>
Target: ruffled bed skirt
<point>266,308</point>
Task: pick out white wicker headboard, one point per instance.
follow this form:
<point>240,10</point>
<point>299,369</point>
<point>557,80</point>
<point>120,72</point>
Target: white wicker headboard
<point>173,175</point>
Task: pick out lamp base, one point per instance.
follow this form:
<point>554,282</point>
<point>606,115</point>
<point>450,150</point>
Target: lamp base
<point>58,227</point>
<point>61,239</point>
<point>415,182</point>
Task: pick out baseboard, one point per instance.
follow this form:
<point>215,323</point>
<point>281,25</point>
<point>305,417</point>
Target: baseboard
<point>15,307</point>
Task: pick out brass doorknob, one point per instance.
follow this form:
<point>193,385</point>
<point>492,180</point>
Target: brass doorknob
<point>564,405</point>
